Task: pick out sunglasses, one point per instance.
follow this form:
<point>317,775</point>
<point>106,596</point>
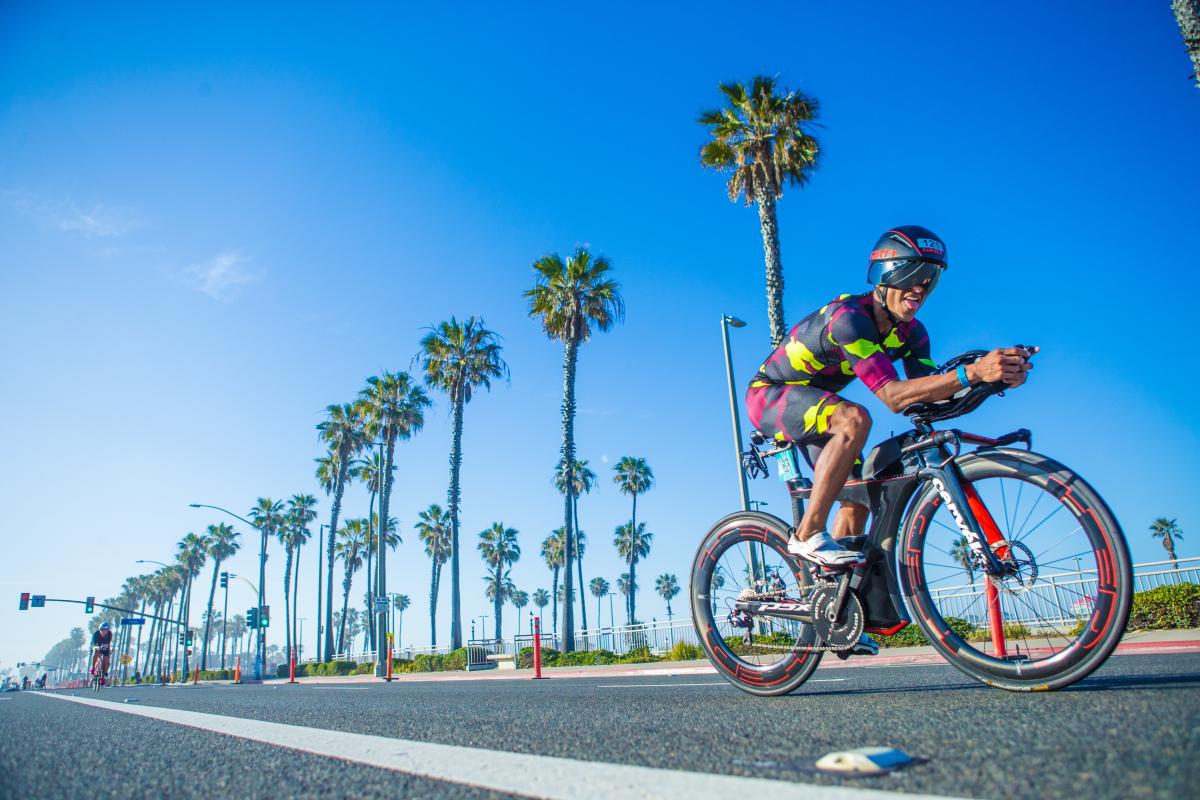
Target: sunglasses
<point>909,274</point>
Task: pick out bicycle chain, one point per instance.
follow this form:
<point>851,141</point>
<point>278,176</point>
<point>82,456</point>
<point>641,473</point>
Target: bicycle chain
<point>779,594</point>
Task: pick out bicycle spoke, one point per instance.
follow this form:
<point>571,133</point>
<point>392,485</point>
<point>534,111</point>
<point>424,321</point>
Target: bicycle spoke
<point>1057,509</point>
<point>1004,503</point>
<point>1038,556</point>
<point>1029,514</point>
<point>1064,558</point>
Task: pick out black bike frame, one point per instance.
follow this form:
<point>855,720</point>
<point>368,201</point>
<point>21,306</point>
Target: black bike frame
<point>889,499</point>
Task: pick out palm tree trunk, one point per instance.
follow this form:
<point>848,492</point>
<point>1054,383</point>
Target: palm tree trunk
<point>338,489</point>
<point>296,598</point>
<point>571,352</point>
<point>379,619</point>
<point>453,496</point>
<point>579,562</point>
<point>433,595</point>
<point>497,602</point>
<point>372,536</point>
<point>287,603</point>
<point>770,237</point>
<point>345,604</point>
<point>208,619</point>
<point>150,637</point>
<point>1187,14</point>
<point>633,543</point>
<point>632,587</point>
<point>554,601</point>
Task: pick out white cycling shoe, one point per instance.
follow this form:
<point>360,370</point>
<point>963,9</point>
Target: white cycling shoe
<point>823,549</point>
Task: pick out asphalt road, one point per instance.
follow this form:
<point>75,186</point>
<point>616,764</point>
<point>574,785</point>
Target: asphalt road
<point>1132,730</point>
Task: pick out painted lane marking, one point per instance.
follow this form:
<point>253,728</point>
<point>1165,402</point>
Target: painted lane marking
<point>547,777</point>
<point>713,683</point>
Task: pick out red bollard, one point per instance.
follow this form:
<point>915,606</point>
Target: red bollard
<point>196,676</point>
<point>292,666</point>
<point>537,648</point>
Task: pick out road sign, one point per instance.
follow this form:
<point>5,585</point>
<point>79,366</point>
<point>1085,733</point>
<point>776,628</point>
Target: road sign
<point>380,605</point>
<point>38,601</point>
<point>133,621</point>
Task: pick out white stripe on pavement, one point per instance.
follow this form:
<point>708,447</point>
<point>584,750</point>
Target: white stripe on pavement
<point>513,773</point>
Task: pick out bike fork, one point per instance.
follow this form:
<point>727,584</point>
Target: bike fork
<point>973,518</point>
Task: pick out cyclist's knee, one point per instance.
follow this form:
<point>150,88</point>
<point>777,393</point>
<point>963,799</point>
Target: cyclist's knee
<point>853,420</point>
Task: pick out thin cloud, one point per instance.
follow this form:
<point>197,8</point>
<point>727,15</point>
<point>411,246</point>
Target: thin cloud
<point>97,221</point>
<point>222,277</point>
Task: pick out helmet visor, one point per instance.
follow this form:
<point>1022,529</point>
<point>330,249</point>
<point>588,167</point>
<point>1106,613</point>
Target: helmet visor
<point>907,274</point>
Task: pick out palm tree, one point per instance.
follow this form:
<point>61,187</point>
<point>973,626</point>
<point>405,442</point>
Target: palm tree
<point>599,588</point>
<point>571,299</point>
<point>633,476</point>
<point>434,531</point>
<point>585,481</point>
<point>369,472</point>
<point>191,555</point>
<point>222,544</point>
<point>499,589</point>
<point>632,544</point>
<point>1187,15</point>
<point>301,512</point>
<point>351,540</point>
<point>763,139</point>
<point>394,409</point>
<point>400,604</point>
<point>457,357</point>
<point>552,554</point>
<point>342,433</point>
<point>667,587</point>
<point>1168,531</point>
<point>519,599</point>
<point>499,548</point>
<point>267,516</point>
<point>961,553</point>
<point>541,599</point>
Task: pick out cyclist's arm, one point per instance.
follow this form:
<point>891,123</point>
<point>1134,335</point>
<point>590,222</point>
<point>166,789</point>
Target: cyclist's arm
<point>1008,364</point>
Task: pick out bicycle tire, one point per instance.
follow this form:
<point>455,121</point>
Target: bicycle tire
<point>1099,633</point>
<point>793,669</point>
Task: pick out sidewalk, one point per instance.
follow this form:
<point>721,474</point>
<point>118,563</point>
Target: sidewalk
<point>1133,643</point>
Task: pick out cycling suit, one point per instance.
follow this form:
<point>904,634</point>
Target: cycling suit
<point>795,392</point>
<point>101,644</point>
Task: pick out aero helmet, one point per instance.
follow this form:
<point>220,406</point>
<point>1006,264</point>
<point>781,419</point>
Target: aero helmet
<point>104,626</point>
<point>907,256</point>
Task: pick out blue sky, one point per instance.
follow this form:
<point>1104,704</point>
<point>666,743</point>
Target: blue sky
<point>214,222</point>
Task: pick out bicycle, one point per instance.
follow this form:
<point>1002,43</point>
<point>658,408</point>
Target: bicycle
<point>765,618</point>
<point>98,674</point>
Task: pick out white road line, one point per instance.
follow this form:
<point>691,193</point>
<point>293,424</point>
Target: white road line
<point>513,773</point>
<point>659,685</point>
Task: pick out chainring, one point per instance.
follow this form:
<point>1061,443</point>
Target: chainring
<point>832,632</point>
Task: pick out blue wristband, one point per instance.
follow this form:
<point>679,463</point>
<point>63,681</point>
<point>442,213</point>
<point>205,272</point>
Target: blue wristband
<point>961,372</point>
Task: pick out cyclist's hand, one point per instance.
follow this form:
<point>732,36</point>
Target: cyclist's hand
<point>1007,364</point>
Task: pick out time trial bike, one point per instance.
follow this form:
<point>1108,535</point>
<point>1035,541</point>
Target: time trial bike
<point>1010,563</point>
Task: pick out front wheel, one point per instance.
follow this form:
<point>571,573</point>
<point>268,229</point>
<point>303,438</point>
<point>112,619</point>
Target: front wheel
<point>754,654</point>
<point>1063,609</point>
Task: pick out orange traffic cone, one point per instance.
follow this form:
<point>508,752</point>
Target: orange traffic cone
<point>237,670</point>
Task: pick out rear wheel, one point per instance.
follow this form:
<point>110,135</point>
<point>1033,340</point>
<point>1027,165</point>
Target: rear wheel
<point>758,659</point>
<point>1061,613</point>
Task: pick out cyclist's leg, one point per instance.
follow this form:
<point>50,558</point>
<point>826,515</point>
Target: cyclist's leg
<point>847,425</point>
<point>851,519</point>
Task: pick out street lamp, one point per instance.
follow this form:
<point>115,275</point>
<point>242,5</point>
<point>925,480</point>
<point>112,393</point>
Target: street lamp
<point>261,650</point>
<point>756,504</point>
<point>726,321</point>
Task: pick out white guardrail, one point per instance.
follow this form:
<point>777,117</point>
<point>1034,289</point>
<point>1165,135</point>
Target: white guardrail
<point>1057,601</point>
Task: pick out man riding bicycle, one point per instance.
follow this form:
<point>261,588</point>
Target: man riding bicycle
<point>101,648</point>
<point>793,398</point>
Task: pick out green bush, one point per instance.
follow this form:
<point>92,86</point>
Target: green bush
<point>222,674</point>
<point>685,651</point>
<point>912,635</point>
<point>638,655</point>
<point>1166,607</point>
<point>367,668</point>
<point>550,657</point>
<point>454,660</point>
<point>585,658</point>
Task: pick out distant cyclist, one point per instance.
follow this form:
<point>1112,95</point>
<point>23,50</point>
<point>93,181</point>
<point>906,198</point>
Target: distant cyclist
<point>794,398</point>
<point>101,650</point>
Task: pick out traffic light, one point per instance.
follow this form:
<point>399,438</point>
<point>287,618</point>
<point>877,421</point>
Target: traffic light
<point>264,617</point>
<point>252,618</point>
<point>224,580</point>
<point>24,605</point>
<point>188,640</point>
<point>181,638</point>
<point>89,605</point>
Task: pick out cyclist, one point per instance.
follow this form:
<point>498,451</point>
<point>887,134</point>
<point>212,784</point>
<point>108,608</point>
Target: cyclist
<point>101,648</point>
<point>793,398</point>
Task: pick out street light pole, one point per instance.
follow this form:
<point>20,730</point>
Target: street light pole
<point>225,617</point>
<point>261,650</point>
<point>726,321</point>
